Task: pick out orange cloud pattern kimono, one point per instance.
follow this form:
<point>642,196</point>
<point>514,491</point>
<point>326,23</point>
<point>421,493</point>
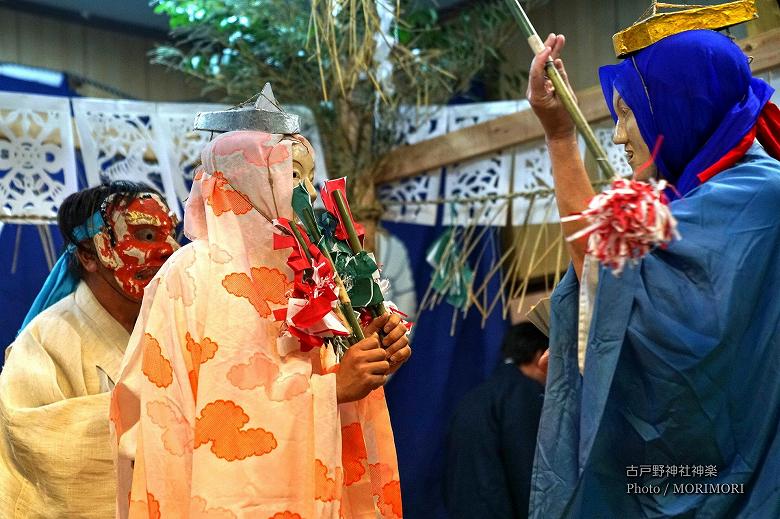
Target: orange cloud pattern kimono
<point>222,417</point>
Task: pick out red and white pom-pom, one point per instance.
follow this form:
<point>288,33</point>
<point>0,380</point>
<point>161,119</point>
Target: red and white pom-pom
<point>627,221</point>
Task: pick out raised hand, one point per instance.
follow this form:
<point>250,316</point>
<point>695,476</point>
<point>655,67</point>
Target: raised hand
<point>541,94</point>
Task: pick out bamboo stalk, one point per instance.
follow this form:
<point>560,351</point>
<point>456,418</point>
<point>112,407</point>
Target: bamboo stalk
<point>354,241</point>
<point>534,260</point>
<point>352,237</point>
<point>315,26</point>
<point>562,90</point>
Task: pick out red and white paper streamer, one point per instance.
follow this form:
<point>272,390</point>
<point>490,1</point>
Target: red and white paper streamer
<point>627,221</point>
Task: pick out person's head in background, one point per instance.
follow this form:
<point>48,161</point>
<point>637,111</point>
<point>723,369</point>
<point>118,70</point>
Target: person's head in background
<point>122,232</point>
<point>524,345</point>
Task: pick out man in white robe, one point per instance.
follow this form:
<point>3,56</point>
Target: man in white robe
<point>55,452</point>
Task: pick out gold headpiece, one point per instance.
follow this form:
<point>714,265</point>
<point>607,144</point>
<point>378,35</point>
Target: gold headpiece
<point>654,26</point>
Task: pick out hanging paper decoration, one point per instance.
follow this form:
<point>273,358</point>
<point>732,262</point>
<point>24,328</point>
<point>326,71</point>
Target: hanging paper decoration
<point>37,160</point>
<point>416,124</point>
<point>452,275</point>
<point>401,199</point>
<point>483,177</point>
<point>311,310</point>
<point>533,179</point>
<point>122,140</point>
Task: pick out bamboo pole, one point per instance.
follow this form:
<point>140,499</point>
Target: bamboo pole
<point>354,241</point>
<point>562,90</point>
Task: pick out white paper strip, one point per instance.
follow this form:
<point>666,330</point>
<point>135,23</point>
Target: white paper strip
<point>533,177</point>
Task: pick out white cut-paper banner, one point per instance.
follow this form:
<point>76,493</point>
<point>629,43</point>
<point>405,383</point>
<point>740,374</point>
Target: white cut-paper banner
<point>37,158</point>
<point>481,177</point>
<point>532,177</point>
<point>122,140</point>
<point>416,125</point>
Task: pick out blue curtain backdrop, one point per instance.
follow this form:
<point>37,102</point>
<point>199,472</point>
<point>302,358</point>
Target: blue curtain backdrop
<point>423,394</point>
<point>21,280</point>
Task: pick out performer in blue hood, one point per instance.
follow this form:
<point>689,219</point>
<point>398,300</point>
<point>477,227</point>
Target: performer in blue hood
<point>663,390</point>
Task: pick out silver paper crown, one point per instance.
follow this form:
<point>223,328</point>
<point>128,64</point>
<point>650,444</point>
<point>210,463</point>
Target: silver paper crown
<point>264,114</point>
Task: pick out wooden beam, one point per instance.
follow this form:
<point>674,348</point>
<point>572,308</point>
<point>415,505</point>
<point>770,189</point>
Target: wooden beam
<point>764,48</point>
<point>480,139</point>
<point>518,128</point>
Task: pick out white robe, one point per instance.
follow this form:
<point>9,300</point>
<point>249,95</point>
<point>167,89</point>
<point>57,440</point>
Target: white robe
<point>55,453</point>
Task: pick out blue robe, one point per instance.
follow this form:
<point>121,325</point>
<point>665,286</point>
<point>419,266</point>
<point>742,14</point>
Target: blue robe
<point>682,368</point>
